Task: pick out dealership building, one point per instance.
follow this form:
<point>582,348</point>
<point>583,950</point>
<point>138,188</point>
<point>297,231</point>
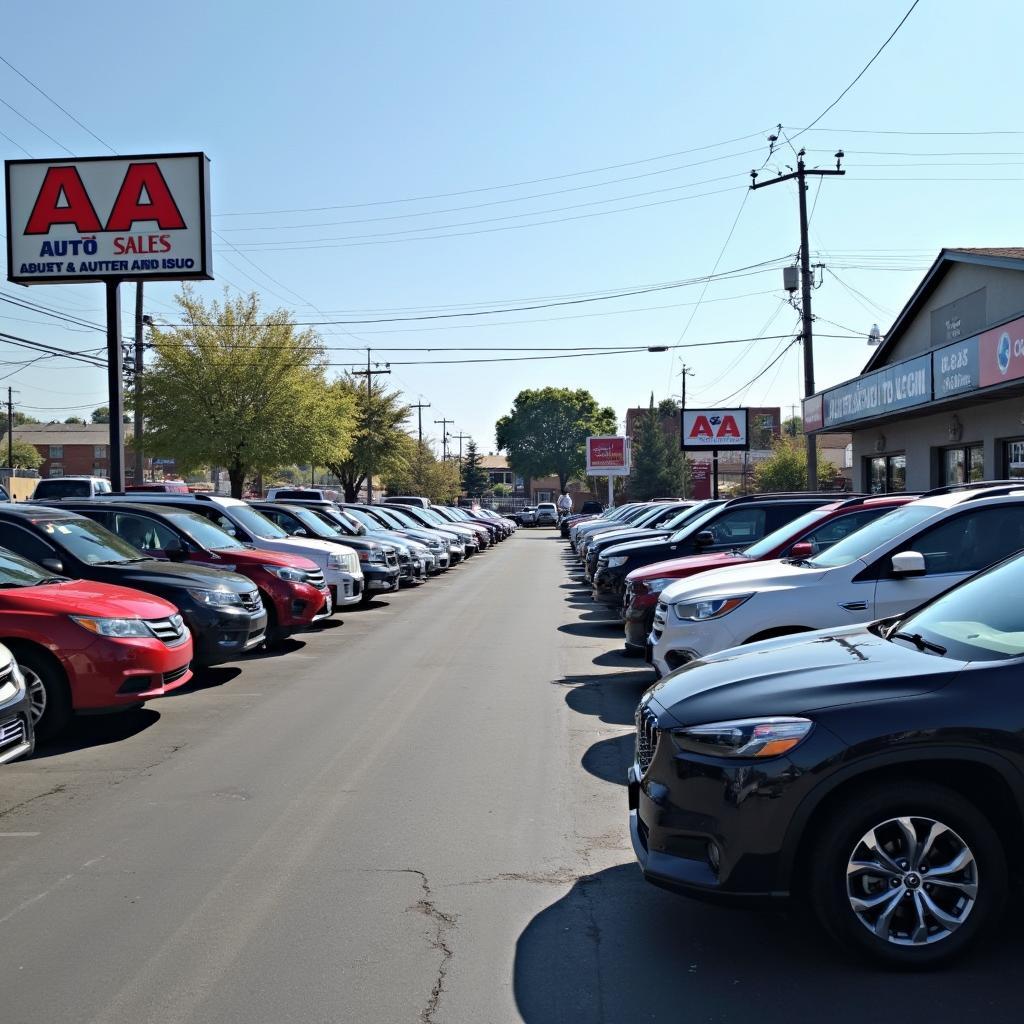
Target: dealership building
<point>941,400</point>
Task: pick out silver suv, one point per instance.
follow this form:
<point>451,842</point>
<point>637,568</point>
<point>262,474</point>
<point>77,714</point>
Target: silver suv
<point>547,514</point>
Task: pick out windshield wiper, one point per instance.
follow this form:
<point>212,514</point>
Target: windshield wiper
<point>919,642</point>
<point>50,579</point>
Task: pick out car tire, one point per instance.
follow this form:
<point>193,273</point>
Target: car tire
<point>49,696</point>
<point>903,929</point>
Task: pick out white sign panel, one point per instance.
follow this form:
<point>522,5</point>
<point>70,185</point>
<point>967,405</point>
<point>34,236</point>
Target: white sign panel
<point>715,428</point>
<point>109,218</point>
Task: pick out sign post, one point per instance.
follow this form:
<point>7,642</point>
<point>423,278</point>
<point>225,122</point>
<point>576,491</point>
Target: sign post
<point>712,430</point>
<point>109,219</point>
<point>609,456</point>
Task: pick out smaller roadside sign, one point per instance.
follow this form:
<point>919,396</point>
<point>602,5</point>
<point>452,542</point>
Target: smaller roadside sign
<point>706,429</point>
<point>608,456</point>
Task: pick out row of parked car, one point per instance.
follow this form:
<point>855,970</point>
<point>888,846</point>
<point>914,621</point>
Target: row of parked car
<point>112,600</point>
<point>838,713</point>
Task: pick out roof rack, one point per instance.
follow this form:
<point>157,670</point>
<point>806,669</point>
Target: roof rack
<point>860,499</point>
<point>976,485</point>
<point>788,495</point>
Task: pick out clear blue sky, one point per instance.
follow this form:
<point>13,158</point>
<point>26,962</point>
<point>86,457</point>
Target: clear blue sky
<point>332,104</point>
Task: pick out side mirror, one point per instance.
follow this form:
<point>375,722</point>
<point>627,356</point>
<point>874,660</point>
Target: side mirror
<point>176,553</point>
<point>704,539</point>
<point>299,532</point>
<point>801,549</point>
<point>53,564</point>
<point>908,563</point>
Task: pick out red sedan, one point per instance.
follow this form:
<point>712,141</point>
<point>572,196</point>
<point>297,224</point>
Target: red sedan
<point>85,646</point>
<point>810,533</point>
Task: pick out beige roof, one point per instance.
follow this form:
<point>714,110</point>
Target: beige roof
<point>65,433</point>
<point>494,462</point>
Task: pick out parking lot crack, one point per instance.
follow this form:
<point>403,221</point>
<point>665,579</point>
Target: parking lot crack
<point>39,796</point>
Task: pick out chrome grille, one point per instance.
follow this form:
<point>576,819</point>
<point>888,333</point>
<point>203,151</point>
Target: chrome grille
<point>251,601</point>
<point>12,732</point>
<point>646,737</point>
<point>391,558</point>
<point>171,630</point>
<point>174,675</point>
<point>660,618</point>
<point>315,578</point>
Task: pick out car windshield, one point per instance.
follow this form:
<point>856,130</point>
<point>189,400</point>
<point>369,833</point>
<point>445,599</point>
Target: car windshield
<point>365,519</point>
<point>766,545</point>
<point>316,526</point>
<point>867,538</point>
<point>257,523</point>
<point>19,572</point>
<point>206,534</point>
<point>683,517</point>
<point>397,517</point>
<point>982,620</point>
<point>88,541</point>
<point>343,514</point>
<point>63,489</point>
<point>694,524</point>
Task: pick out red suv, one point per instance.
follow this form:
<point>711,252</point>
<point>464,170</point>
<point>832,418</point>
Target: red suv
<point>85,646</point>
<point>804,536</point>
<point>293,588</point>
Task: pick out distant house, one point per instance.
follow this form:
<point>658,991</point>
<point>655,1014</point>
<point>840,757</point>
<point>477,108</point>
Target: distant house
<point>530,491</point>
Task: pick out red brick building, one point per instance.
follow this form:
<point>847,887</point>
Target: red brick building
<point>81,449</point>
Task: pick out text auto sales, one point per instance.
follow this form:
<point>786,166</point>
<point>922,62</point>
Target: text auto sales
<point>123,245</point>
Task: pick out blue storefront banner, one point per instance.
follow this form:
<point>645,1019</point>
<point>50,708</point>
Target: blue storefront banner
<point>955,368</point>
<point>887,390</point>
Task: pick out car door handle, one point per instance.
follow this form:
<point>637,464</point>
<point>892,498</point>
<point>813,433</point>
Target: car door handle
<point>854,606</point>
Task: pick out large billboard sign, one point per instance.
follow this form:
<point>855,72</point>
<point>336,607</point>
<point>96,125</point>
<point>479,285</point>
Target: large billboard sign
<point>608,456</point>
<point>119,218</point>
<point>705,429</point>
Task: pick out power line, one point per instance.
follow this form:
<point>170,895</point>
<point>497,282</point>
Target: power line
<point>862,70</point>
<point>34,125</point>
<point>492,188</point>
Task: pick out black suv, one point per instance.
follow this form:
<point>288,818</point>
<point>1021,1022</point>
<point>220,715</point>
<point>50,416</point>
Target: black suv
<point>222,609</point>
<point>877,771</point>
<point>731,525</point>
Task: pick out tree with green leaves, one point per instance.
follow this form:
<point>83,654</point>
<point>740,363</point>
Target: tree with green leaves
<point>474,476</point>
<point>546,432</point>
<point>75,419</point>
<point>238,388</point>
<point>657,463</point>
<point>23,455</point>
<point>786,469</point>
<point>379,444</point>
<point>422,473</point>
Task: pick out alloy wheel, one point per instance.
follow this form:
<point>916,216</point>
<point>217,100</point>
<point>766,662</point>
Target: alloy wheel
<point>36,694</point>
<point>912,881</point>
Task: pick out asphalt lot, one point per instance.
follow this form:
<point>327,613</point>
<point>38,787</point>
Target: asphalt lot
<point>416,816</point>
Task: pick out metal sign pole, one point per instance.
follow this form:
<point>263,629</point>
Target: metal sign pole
<point>611,492</point>
<point>115,385</point>
<point>714,472</point>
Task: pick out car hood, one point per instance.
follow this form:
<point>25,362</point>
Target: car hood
<point>77,597</point>
<point>624,536</point>
<point>309,546</point>
<point>632,547</point>
<point>753,576</point>
<point>260,556</point>
<point>153,572</point>
<point>797,675</point>
<point>688,566</point>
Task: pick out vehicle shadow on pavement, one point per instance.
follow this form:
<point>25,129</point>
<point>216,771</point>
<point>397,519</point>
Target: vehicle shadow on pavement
<point>287,646</point>
<point>592,627</point>
<point>207,678</point>
<point>612,698</point>
<point>615,948</point>
<point>609,759</point>
<point>96,731</point>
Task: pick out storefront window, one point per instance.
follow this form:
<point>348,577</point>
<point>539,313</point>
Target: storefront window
<point>1013,459</point>
<point>887,473</point>
<point>963,464</point>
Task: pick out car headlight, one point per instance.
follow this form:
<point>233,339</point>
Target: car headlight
<point>216,598</point>
<point>744,737</point>
<point>658,585</point>
<point>376,555</point>
<point>288,573</point>
<point>712,608</point>
<point>617,560</point>
<point>113,627</point>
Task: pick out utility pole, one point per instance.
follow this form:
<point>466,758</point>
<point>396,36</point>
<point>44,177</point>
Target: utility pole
<point>369,374</point>
<point>444,437</point>
<point>10,431</point>
<point>137,386</point>
<point>461,438</point>
<point>801,174</point>
<point>419,407</point>
<point>686,372</point>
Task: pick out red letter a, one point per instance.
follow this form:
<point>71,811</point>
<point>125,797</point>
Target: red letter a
<point>701,427</point>
<point>78,209</point>
<point>128,207</point>
<point>729,427</point>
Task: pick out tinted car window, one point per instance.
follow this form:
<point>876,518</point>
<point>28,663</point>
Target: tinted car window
<point>741,526</point>
<point>842,526</point>
<point>26,544</point>
<point>971,541</point>
<point>19,572</point>
<point>142,532</point>
<point>864,541</point>
<point>63,489</point>
<point>87,541</point>
<point>203,532</point>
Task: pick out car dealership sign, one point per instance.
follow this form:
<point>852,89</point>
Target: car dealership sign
<point>109,219</point>
<point>715,428</point>
<point>608,456</point>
